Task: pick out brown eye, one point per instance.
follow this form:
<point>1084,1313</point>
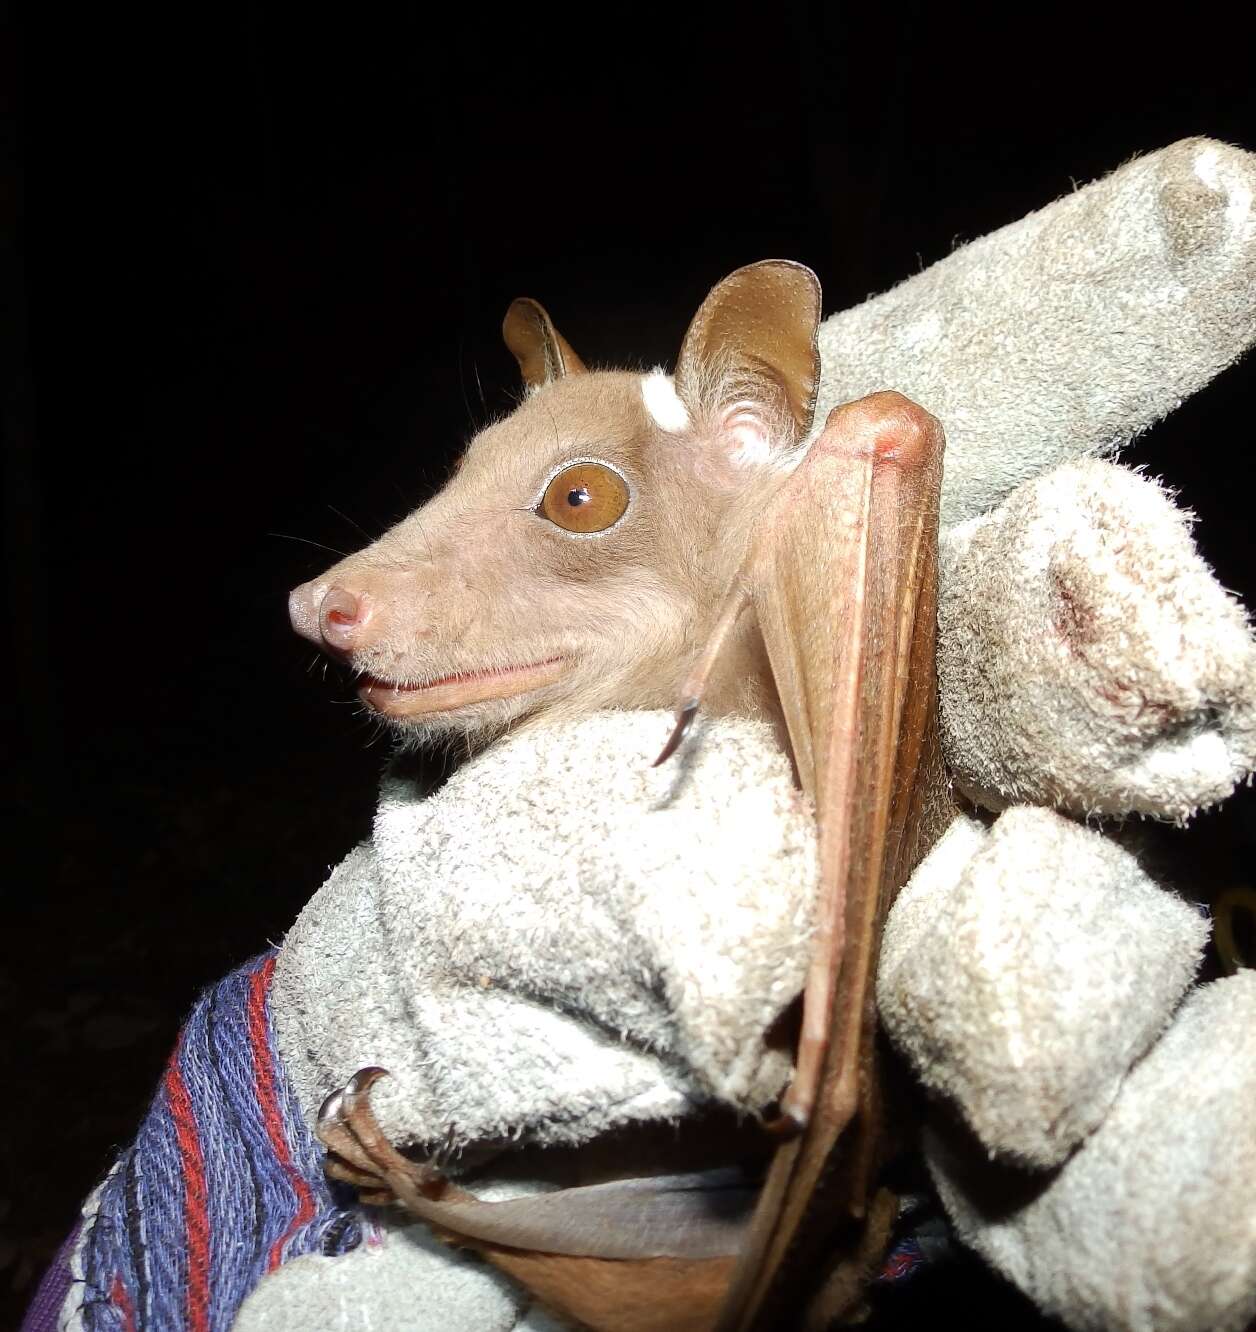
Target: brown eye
<point>585,497</point>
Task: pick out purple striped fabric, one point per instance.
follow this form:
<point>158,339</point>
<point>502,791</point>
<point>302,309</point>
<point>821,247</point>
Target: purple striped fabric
<point>223,1183</point>
<point>46,1306</point>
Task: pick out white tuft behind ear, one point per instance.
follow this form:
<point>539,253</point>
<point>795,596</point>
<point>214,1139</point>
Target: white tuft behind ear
<point>658,392</point>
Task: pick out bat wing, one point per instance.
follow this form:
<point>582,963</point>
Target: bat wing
<point>842,579</point>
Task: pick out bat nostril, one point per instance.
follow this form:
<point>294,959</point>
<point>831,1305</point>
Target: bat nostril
<point>341,615</point>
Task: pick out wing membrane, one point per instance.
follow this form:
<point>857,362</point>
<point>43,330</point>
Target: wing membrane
<point>843,581</point>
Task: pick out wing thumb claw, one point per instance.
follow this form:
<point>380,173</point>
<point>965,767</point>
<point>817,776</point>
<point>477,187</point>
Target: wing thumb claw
<point>685,714</point>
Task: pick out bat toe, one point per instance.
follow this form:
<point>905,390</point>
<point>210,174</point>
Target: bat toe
<point>358,1153</point>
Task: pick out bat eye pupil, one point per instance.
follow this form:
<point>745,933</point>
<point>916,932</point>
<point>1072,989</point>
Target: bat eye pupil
<point>585,497</point>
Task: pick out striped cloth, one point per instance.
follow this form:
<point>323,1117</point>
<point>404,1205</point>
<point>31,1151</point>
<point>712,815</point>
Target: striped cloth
<point>223,1184</point>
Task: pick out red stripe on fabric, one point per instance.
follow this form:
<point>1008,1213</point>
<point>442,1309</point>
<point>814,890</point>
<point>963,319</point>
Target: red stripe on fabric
<point>268,1101</point>
<point>122,1302</point>
<point>195,1194</point>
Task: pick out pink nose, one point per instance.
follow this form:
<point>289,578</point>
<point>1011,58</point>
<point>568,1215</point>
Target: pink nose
<point>328,617</point>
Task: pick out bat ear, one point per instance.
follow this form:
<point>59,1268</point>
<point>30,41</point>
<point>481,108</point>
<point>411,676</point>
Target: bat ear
<point>541,350</point>
<point>750,356</point>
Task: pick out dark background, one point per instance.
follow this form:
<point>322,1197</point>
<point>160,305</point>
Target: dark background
<point>254,265</point>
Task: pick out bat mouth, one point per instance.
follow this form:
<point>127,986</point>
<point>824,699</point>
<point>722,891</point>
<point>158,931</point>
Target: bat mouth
<point>450,692</point>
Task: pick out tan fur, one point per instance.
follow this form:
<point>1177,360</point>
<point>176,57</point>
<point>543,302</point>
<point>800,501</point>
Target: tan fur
<point>476,581</point>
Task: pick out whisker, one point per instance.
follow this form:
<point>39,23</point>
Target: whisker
<point>462,385</point>
<point>351,521</point>
<point>287,536</point>
<point>426,542</point>
<point>549,411</point>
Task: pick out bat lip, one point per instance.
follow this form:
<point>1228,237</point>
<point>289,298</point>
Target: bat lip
<point>460,689</point>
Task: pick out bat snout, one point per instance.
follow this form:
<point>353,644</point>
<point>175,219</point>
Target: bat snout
<point>303,604</point>
<point>332,618</point>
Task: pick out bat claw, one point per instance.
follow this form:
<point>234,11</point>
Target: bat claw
<point>442,1156</point>
<point>363,1080</point>
<point>359,1154</point>
<point>735,605</point>
<point>330,1110</point>
<point>684,720</point>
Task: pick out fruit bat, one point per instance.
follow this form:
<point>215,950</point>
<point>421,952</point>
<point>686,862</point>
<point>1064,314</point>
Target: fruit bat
<point>629,540</point>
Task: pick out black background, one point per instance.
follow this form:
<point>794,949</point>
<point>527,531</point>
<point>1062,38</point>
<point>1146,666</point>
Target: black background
<point>255,265</point>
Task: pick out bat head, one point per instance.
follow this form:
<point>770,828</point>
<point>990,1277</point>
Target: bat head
<point>577,557</point>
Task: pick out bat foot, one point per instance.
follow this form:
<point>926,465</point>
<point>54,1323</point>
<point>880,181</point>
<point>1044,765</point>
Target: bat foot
<point>359,1154</point>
